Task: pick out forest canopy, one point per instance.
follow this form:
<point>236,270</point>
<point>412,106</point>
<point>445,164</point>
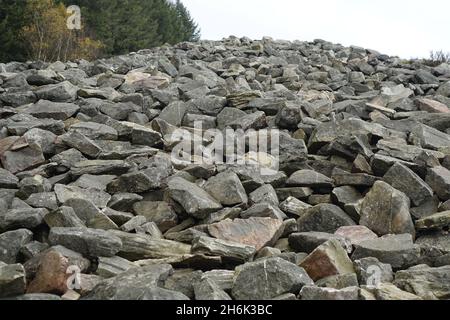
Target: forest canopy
<point>37,30</point>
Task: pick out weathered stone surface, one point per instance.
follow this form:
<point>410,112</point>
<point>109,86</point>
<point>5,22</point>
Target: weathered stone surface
<point>438,179</point>
<point>44,109</point>
<point>28,218</point>
<point>137,284</point>
<point>317,293</point>
<point>267,279</point>
<point>195,201</point>
<point>139,247</point>
<point>356,234</point>
<point>372,272</point>
<point>405,180</point>
<point>89,242</point>
<point>388,291</point>
<point>328,259</point>
<point>11,242</point>
<point>226,249</point>
<point>12,280</point>
<point>385,210</point>
<point>257,232</point>
<point>435,221</point>
<point>308,178</point>
<point>60,92</point>
<point>308,241</point>
<point>397,250</point>
<point>227,189</point>
<point>207,289</point>
<point>109,267</point>
<point>425,282</point>
<point>324,218</point>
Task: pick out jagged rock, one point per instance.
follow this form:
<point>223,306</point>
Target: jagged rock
<point>195,201</point>
<point>308,241</point>
<point>207,289</point>
<point>44,109</point>
<point>184,281</point>
<point>95,131</point>
<point>385,210</point>
<point>405,180</point>
<point>324,218</point>
<point>327,260</point>
<point>227,189</point>
<point>12,280</point>
<point>11,242</point>
<point>97,197</point>
<point>308,178</point>
<point>438,179</point>
<point>372,272</point>
<point>257,232</point>
<point>340,281</point>
<point>63,217</point>
<point>397,250</point>
<point>28,218</point>
<point>8,180</point>
<point>263,210</point>
<point>158,212</point>
<point>60,92</point>
<point>267,279</point>
<point>425,282</point>
<point>136,284</point>
<point>109,267</point>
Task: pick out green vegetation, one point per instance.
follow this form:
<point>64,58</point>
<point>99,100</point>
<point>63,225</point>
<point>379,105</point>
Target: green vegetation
<point>35,29</point>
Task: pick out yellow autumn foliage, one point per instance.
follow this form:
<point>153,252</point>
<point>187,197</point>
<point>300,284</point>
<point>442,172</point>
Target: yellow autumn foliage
<point>48,37</point>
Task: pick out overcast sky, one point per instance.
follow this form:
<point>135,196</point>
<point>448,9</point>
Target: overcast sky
<point>407,28</point>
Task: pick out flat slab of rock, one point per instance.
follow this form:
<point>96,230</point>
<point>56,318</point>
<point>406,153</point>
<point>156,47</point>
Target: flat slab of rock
<point>44,109</point>
<point>222,248</point>
<point>267,279</point>
<point>256,232</point>
<point>356,234</point>
<point>397,250</point>
<point>140,247</point>
<point>89,242</point>
<point>309,178</point>
<point>435,221</point>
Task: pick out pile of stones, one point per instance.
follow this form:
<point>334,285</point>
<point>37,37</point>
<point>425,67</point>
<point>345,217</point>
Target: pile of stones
<point>93,204</point>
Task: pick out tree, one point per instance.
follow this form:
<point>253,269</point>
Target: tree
<point>49,39</point>
<point>11,23</point>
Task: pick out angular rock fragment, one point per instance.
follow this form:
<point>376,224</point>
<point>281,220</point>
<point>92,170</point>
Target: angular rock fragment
<point>328,259</point>
<point>257,232</point>
<point>385,210</point>
<point>89,242</point>
<point>267,279</point>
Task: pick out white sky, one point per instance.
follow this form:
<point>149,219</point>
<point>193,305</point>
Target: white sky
<point>407,28</point>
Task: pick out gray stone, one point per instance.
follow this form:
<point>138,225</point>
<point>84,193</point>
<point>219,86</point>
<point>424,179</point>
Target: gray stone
<point>11,242</point>
<point>28,218</point>
<point>222,248</point>
<point>438,179</point>
<point>12,280</point>
<point>324,218</point>
<point>405,180</point>
<point>89,242</point>
<point>44,109</point>
<point>397,250</point>
<point>61,92</point>
<point>207,289</point>
<point>385,210</point>
<point>317,293</point>
<point>226,188</point>
<point>372,272</point>
<point>192,198</point>
<point>267,279</point>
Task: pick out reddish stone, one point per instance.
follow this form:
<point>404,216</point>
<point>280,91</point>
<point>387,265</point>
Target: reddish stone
<point>356,234</point>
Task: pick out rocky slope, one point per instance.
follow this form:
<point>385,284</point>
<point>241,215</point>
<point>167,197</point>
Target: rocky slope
<point>93,204</point>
